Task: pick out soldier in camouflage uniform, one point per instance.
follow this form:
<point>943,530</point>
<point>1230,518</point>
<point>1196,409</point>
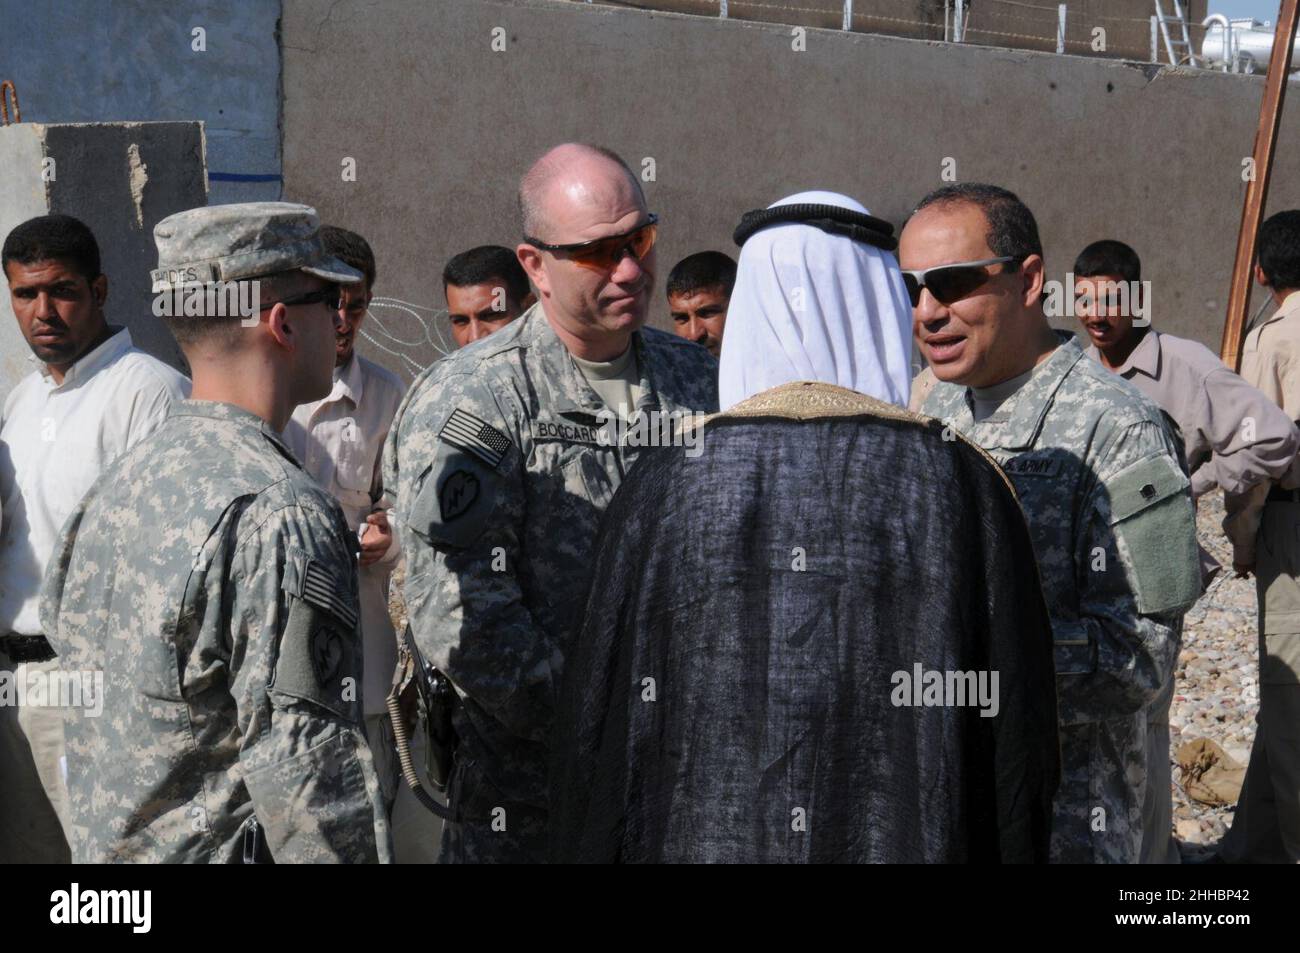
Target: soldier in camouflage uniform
<point>1098,475</point>
<point>503,457</point>
<point>215,586</point>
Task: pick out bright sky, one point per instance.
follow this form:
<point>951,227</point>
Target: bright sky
<point>1259,9</point>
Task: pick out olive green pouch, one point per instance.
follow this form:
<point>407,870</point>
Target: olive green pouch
<point>1154,522</point>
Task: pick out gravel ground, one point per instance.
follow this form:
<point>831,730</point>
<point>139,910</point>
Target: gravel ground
<point>1217,692</point>
<point>1217,695</point>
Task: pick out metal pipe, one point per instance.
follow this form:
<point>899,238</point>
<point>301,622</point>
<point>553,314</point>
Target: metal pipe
<point>1229,55</point>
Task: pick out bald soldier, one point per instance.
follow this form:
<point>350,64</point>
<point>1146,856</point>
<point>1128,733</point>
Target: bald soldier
<point>503,457</point>
<point>214,584</point>
<point>1099,477</point>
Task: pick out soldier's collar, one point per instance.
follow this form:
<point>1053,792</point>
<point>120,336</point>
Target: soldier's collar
<point>1028,406</point>
<point>218,410</point>
<point>571,392</point>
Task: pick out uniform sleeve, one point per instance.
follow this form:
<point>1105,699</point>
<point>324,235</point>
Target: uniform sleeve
<point>295,672</point>
<point>1137,571</point>
<point>1250,438</point>
<point>457,474</point>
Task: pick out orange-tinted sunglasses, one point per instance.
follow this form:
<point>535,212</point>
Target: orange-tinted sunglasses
<point>604,254</point>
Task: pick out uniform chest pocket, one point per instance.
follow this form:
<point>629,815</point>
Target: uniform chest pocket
<point>584,476</point>
<point>569,484</point>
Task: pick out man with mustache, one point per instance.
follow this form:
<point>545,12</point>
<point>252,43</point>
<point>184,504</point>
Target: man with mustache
<point>1233,437</point>
<point>91,397</point>
<point>486,289</point>
<point>699,290</point>
<point>1098,476</point>
<point>501,462</point>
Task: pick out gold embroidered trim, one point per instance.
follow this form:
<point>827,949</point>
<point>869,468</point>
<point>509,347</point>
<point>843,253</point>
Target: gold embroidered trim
<point>813,400</point>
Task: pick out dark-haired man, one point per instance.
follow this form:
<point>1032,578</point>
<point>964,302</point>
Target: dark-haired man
<point>1266,826</point>
<point>1098,475</point>
<point>699,290</point>
<point>214,584</point>
<point>91,397</point>
<point>1233,437</point>
<point>486,289</point>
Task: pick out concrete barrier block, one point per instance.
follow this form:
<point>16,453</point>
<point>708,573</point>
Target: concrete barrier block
<point>120,179</point>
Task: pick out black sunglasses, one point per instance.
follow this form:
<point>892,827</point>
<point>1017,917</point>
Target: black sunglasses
<point>949,283</point>
<point>331,297</point>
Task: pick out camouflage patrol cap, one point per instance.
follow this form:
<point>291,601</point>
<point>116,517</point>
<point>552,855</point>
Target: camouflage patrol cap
<point>241,241</point>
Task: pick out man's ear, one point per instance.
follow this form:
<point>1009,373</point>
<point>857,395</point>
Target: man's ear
<point>282,331</point>
<point>1032,289</point>
<point>1259,276</point>
<point>99,290</point>
<point>531,260</point>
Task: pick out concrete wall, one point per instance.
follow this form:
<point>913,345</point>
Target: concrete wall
<point>78,61</point>
<point>441,126</point>
<point>121,180</point>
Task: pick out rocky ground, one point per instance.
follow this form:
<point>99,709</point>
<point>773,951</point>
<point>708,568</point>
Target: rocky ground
<point>1217,692</point>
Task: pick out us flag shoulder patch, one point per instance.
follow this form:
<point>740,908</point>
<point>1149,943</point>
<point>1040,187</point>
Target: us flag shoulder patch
<point>476,437</point>
<point>320,589</point>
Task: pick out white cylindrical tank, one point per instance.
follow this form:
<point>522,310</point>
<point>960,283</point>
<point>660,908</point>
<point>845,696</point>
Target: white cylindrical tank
<point>1251,43</point>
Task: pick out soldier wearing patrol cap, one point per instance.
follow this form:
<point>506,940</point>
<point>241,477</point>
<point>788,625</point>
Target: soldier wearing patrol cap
<point>501,464</point>
<point>1099,478</point>
<point>215,586</point>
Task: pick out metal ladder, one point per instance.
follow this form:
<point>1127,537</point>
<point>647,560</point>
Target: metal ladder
<point>1179,50</point>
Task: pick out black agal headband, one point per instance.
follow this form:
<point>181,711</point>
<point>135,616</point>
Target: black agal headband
<point>829,218</point>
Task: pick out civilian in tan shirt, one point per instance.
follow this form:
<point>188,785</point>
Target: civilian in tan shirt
<point>1266,826</point>
<point>1234,437</point>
